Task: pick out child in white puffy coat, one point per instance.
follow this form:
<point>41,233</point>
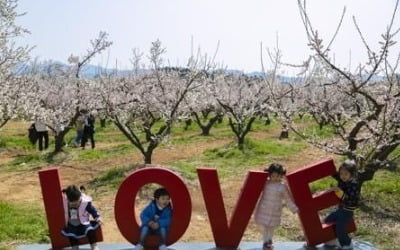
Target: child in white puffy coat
<point>269,209</point>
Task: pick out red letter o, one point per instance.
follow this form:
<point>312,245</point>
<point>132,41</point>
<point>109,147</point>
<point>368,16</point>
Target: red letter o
<point>124,209</point>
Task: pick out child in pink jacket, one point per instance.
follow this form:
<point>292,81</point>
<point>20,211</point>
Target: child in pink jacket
<point>78,208</point>
<point>269,209</point>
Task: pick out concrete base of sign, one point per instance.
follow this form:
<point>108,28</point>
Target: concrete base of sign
<point>358,245</point>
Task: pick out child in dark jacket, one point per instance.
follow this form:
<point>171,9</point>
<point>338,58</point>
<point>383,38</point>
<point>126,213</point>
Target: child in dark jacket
<point>348,191</point>
<point>156,218</point>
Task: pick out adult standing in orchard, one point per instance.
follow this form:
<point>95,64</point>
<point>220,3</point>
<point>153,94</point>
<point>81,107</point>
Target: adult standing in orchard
<point>42,134</point>
<point>88,130</point>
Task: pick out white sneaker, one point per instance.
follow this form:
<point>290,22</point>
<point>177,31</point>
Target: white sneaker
<point>94,247</point>
<point>349,247</point>
<point>138,247</point>
<point>163,247</point>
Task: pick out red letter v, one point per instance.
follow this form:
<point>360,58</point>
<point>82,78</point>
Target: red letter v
<point>229,236</point>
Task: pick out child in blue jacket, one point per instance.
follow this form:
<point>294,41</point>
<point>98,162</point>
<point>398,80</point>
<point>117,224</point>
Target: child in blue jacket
<point>156,218</point>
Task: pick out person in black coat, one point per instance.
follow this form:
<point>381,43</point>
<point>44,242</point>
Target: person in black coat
<point>88,131</point>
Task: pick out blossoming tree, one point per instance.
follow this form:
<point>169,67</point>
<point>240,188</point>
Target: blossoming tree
<point>11,58</point>
<point>364,104</point>
<point>145,105</point>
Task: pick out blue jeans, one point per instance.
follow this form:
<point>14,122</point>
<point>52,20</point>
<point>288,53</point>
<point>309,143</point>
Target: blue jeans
<point>145,231</point>
<point>342,218</point>
<point>78,138</point>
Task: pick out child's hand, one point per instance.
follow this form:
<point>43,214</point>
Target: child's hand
<point>153,225</point>
<point>99,220</point>
<point>339,193</point>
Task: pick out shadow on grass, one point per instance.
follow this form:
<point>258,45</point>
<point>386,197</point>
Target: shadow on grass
<point>381,213</point>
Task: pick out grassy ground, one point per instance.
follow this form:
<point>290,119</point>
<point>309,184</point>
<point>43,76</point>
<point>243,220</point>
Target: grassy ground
<point>377,220</point>
<point>19,221</point>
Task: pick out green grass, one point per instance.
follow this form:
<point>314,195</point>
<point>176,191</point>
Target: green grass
<point>33,160</point>
<point>194,138</point>
<point>110,179</point>
<point>314,130</point>
<point>380,209</point>
<point>15,142</point>
<point>28,159</point>
<point>259,125</point>
<point>384,189</point>
<point>21,223</point>
<point>323,184</point>
<point>179,128</point>
<point>229,160</point>
<point>96,154</point>
<point>114,136</point>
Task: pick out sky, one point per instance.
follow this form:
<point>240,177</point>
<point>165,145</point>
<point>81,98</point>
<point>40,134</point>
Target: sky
<point>61,28</point>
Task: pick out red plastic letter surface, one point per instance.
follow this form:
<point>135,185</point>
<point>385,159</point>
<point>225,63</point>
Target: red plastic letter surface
<point>229,236</point>
<point>309,204</point>
<point>53,204</point>
<point>125,203</point>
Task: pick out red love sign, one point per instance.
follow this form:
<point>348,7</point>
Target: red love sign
<point>226,234</point>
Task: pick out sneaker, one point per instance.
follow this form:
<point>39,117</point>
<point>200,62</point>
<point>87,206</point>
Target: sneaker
<point>306,246</point>
<point>94,247</point>
<point>75,247</point>
<point>267,245</point>
<point>138,247</point>
<point>332,244</point>
<point>163,247</point>
<point>348,247</point>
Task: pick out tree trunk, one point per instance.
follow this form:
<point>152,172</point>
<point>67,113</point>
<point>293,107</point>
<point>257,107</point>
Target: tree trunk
<point>241,142</point>
<point>2,123</point>
<point>148,154</point>
<point>205,130</point>
<point>147,157</point>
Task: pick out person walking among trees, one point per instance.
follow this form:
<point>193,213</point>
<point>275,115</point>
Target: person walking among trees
<point>42,134</point>
<point>88,131</point>
<point>269,208</point>
<point>79,124</point>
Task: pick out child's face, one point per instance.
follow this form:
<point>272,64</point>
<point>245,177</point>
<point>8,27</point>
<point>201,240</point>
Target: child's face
<point>344,175</point>
<point>275,177</point>
<point>74,204</point>
<point>163,201</point>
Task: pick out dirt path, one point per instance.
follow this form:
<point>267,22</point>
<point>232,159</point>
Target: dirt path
<point>12,190</point>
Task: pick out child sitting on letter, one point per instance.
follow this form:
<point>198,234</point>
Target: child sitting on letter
<point>269,208</point>
<point>77,208</point>
<point>156,218</point>
<point>348,191</point>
